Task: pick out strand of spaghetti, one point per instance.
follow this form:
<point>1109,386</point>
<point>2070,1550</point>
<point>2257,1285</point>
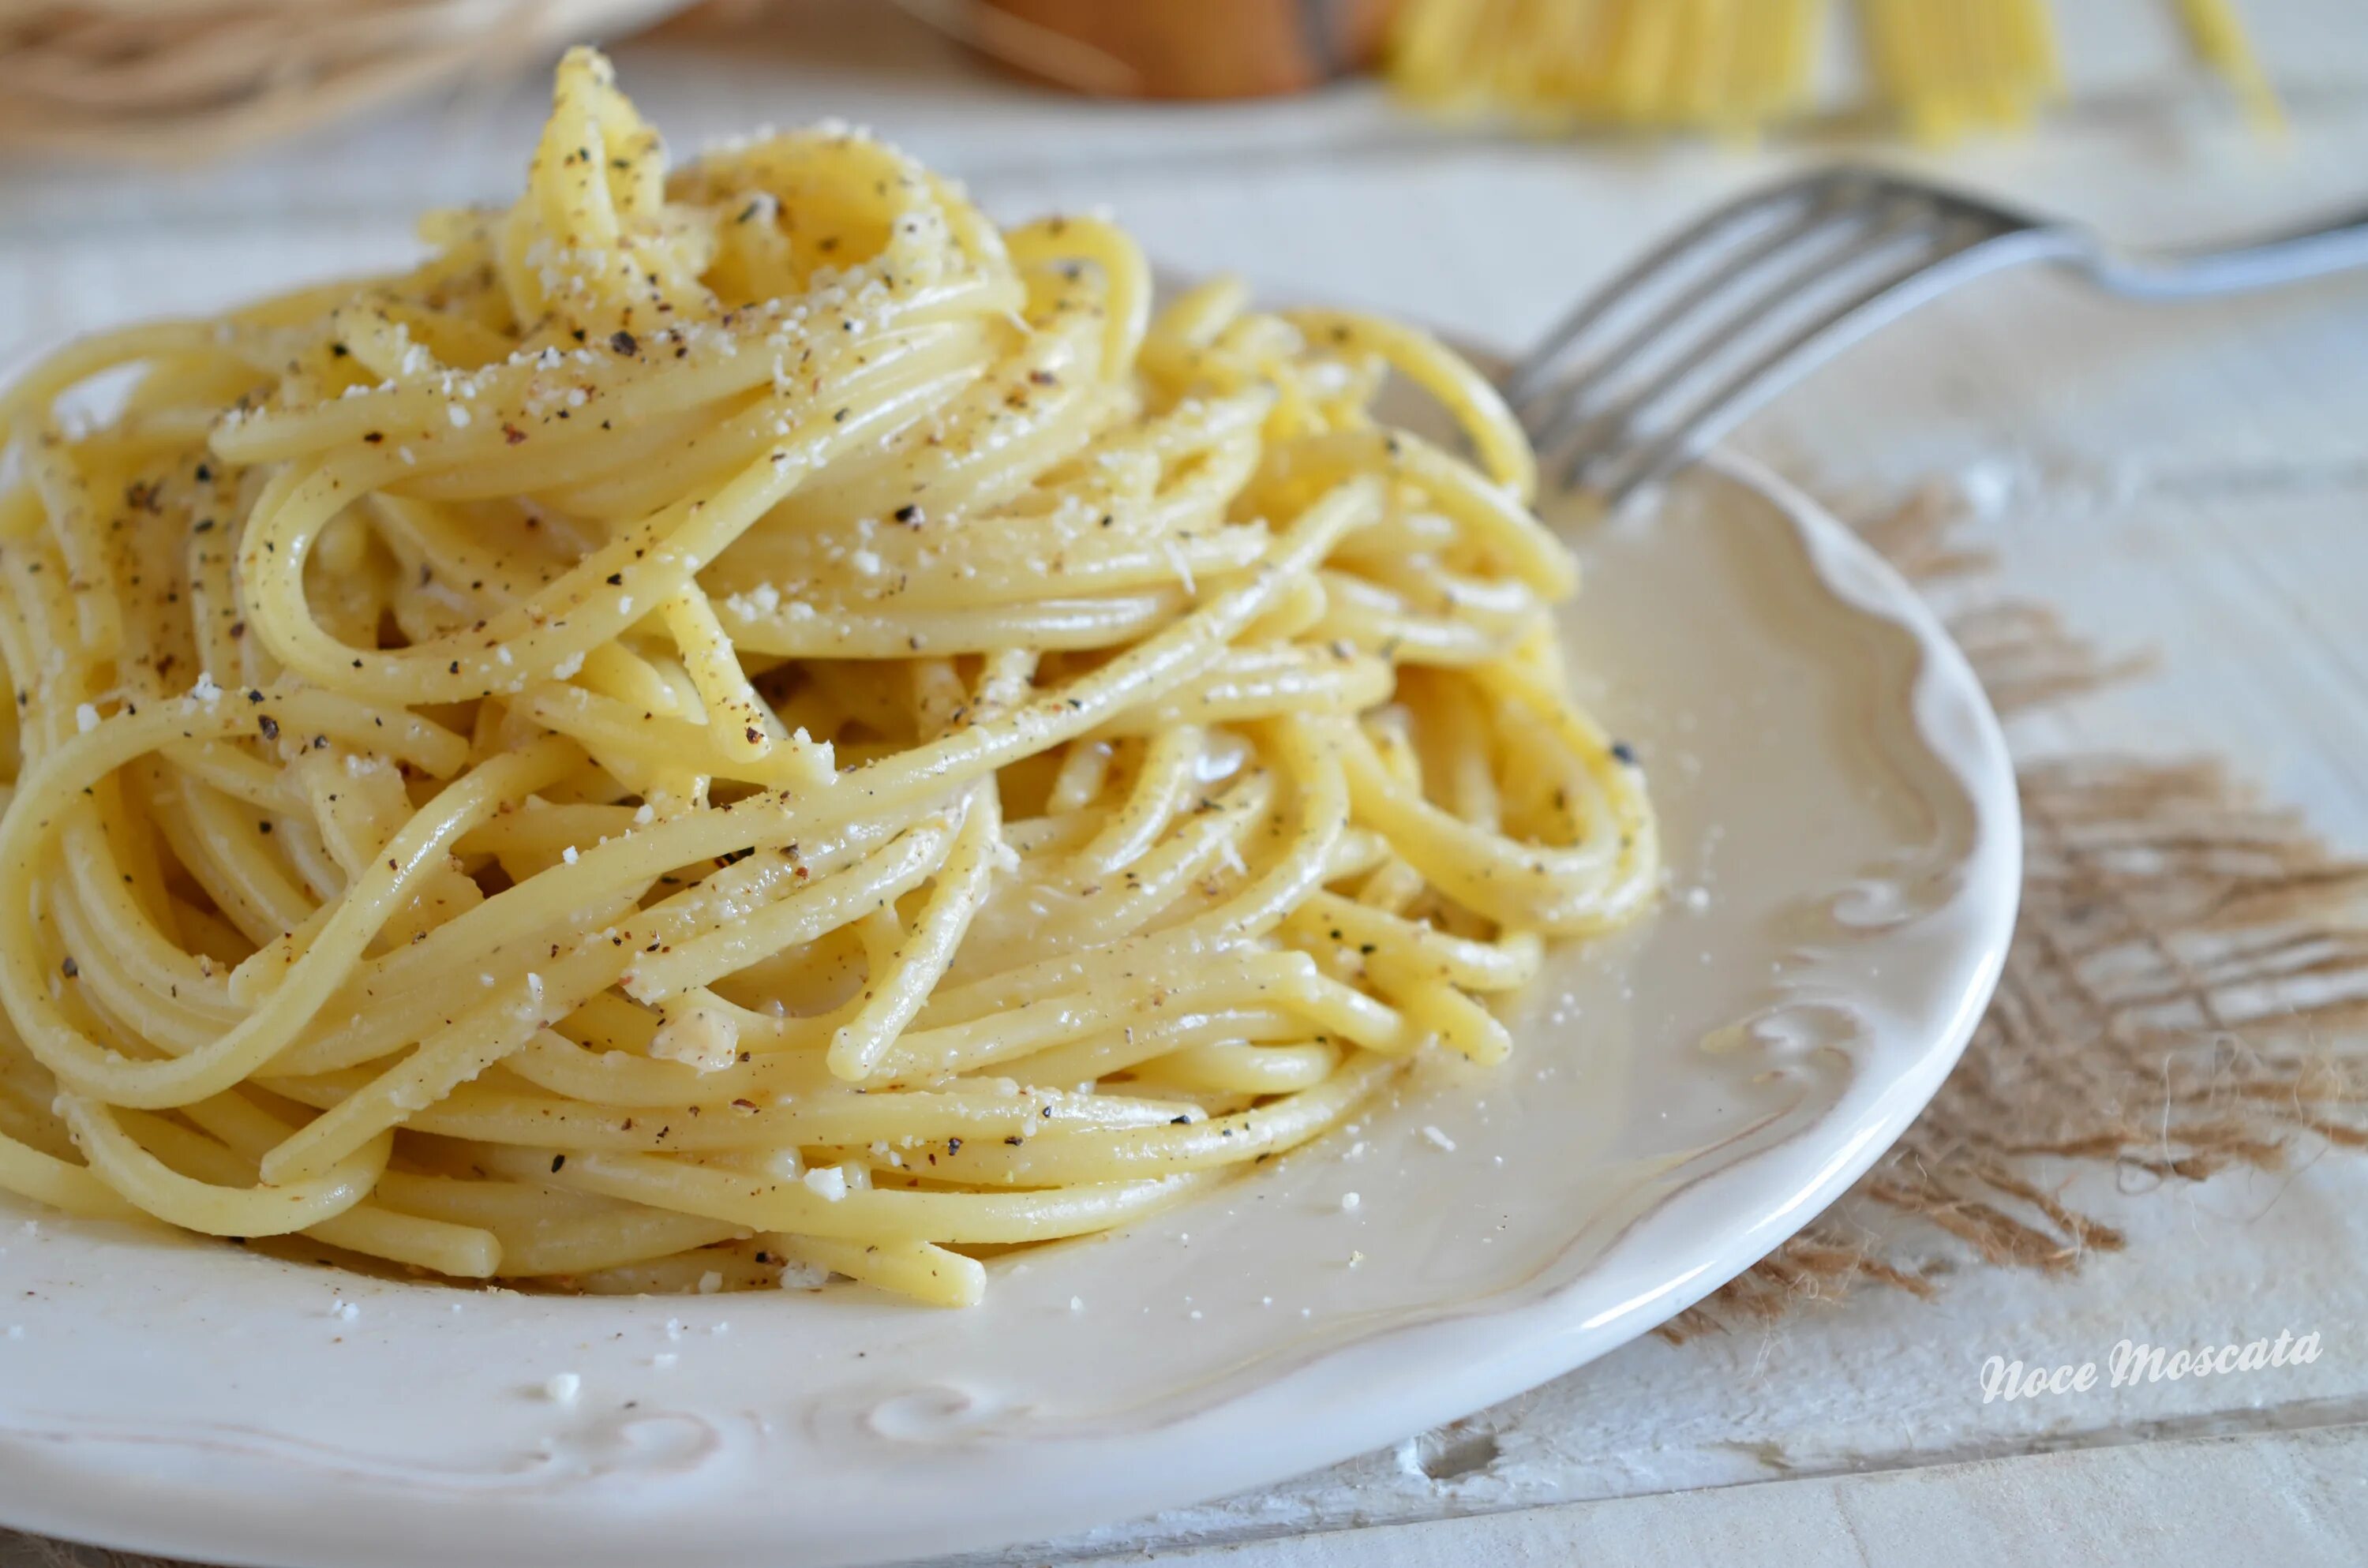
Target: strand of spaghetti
<point>1436,1007</point>
<point>465,1252</point>
<point>767,1204</point>
<point>566,620</point>
<point>1309,751</point>
<point>1306,685</point>
<point>30,399</point>
<point>1157,665</point>
<point>744,725</point>
<point>217,1211</point>
<point>570,175</point>
<point>581,1244</point>
<point>923,1270</point>
<point>498,1117</point>
<point>461,1252</point>
<point>1490,513</point>
<point>1123,904</point>
<point>1066,1017</point>
<point>68,1188</point>
<point>368,1017</point>
<point>569,894</point>
<point>640,746</point>
<point>123,916</point>
<point>617,381</point>
<point>1464,392</point>
<point>473,1040</point>
<point>1504,608</point>
<point>619,1076</point>
<point>91,1072</point>
<point>821,906</point>
<point>1588,887</point>
<point>1366,616</point>
<point>1505,964</point>
<point>239,774</point>
<point>717,441</point>
<point>727,1266</point>
<point>1182,949</point>
<point>1132,1045</point>
<point>150,1011</point>
<point>1280,979</point>
<point>1052,625</point>
<point>1100,564</point>
<point>74,524</point>
<point>1240,1067</point>
<point>892,998</point>
<point>1085,773</point>
<point>624,1081</point>
<point>473,1201</point>
<point>547,830</point>
<point>1126,275</point>
<point>2218,38</point>
<point>1096,1157</point>
<point>245,882</point>
<point>1167,771</point>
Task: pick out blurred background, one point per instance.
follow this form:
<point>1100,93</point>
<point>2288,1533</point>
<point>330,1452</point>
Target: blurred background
<point>180,79</point>
<point>158,122</point>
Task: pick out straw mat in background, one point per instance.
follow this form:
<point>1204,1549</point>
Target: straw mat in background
<point>178,81</point>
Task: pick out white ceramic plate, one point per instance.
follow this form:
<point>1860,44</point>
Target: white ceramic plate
<point>1842,826</point>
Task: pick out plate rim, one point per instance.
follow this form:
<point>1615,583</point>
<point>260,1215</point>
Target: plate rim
<point>1526,1343</point>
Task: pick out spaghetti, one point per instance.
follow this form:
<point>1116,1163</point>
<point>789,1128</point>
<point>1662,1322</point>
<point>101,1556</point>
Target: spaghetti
<point>744,724</point>
<point>1940,68</point>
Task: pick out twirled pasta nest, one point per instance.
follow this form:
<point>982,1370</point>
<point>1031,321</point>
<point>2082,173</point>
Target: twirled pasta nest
<point>744,722</point>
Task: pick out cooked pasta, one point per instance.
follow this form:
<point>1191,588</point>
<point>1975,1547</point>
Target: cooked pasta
<point>743,724</point>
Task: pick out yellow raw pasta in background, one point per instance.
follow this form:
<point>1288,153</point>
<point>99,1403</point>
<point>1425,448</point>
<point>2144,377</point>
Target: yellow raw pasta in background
<point>1938,68</point>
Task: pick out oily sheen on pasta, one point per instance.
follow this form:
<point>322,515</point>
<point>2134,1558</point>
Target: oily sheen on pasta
<point>741,725</point>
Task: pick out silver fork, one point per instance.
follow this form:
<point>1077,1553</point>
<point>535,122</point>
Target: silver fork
<point>1648,372</point>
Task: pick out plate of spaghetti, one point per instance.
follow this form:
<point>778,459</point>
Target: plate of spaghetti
<point>751,859</point>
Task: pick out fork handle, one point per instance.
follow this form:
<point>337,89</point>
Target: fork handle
<point>2295,257</point>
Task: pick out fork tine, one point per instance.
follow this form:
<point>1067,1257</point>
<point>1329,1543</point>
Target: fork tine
<point>1898,290</point>
<point>1577,401</point>
<point>1528,378</point>
<point>1869,237</point>
<point>1839,253</point>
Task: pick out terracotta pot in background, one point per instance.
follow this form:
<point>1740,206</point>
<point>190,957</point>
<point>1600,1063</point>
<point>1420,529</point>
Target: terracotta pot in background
<point>1183,49</point>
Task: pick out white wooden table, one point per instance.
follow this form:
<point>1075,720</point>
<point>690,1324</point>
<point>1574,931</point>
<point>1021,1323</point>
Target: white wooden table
<point>2192,480</point>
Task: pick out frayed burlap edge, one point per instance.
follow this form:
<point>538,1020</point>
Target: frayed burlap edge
<point>2183,971</point>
